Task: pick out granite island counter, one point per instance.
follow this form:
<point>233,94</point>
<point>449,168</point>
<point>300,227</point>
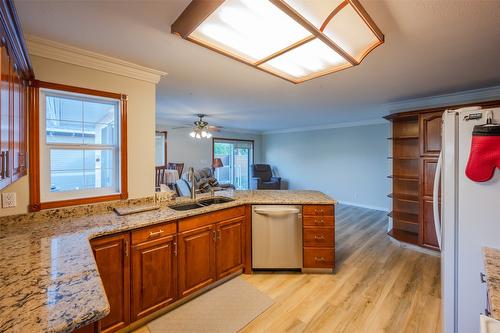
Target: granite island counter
<point>49,281</point>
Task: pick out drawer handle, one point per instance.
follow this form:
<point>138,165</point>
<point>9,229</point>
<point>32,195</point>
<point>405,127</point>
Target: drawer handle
<point>319,237</point>
<point>320,259</point>
<point>321,222</point>
<point>155,233</point>
<point>482,276</point>
<point>319,211</point>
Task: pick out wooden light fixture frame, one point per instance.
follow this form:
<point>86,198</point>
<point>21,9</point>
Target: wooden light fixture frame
<point>199,10</point>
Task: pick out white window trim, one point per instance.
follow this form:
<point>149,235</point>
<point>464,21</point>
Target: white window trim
<point>45,180</point>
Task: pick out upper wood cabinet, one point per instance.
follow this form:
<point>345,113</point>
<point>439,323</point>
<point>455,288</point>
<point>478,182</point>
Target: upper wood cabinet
<point>154,271</point>
<point>113,262</point>
<point>430,133</point>
<point>16,75</point>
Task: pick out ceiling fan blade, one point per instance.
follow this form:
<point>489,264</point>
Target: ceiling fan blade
<point>214,128</point>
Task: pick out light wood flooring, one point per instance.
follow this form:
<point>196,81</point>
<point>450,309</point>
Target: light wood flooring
<point>377,286</point>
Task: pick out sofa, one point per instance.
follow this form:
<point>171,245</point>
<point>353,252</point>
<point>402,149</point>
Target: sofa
<point>204,182</point>
<point>262,178</point>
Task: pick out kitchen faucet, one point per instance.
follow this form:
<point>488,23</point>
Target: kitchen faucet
<point>192,180</point>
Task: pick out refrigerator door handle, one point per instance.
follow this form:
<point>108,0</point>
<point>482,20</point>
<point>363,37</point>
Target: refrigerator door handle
<point>435,199</point>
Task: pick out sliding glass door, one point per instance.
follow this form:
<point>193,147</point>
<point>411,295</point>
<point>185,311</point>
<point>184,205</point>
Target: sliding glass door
<point>236,157</point>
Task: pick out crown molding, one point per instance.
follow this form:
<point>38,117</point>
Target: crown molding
<point>72,55</point>
<point>328,126</point>
<point>461,97</point>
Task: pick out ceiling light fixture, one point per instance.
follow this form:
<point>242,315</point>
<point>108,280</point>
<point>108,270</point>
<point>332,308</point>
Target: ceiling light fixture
<point>296,40</point>
<point>200,129</point>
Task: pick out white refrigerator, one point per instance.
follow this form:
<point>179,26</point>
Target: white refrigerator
<point>470,220</point>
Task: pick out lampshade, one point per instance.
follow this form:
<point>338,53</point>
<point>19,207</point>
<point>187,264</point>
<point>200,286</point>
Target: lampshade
<point>296,40</point>
<point>217,163</point>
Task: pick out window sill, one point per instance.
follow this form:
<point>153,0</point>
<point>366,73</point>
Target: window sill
<point>76,202</point>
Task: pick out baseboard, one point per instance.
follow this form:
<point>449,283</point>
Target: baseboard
<point>363,206</point>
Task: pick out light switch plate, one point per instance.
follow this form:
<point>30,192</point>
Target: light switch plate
<point>9,200</point>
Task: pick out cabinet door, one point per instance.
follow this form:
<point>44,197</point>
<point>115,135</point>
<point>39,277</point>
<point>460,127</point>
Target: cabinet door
<point>428,232</point>
<point>196,259</point>
<point>229,249</point>
<point>430,133</point>
<point>5,119</point>
<point>113,261</point>
<point>154,276</point>
<point>17,127</point>
<point>428,173</point>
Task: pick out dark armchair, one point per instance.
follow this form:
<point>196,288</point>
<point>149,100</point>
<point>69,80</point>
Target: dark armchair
<point>262,178</point>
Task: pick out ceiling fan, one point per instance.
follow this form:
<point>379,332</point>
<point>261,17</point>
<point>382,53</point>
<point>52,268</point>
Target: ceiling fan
<point>201,128</point>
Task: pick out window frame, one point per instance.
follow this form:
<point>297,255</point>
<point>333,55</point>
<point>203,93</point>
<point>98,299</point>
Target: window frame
<point>229,140</point>
<point>35,148</point>
<point>165,147</point>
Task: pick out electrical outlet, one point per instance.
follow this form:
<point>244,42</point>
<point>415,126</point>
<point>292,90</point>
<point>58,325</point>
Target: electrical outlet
<point>9,200</point>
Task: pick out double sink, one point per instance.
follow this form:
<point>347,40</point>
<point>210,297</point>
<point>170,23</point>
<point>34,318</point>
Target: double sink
<point>200,203</point>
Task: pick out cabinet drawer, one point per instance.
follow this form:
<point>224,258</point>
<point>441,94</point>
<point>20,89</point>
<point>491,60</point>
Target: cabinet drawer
<point>318,237</point>
<point>318,210</point>
<point>318,257</point>
<point>153,232</point>
<point>210,218</point>
<point>318,221</point>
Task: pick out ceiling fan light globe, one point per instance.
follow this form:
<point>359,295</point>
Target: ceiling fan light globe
<point>209,135</point>
<point>203,134</point>
<point>192,134</point>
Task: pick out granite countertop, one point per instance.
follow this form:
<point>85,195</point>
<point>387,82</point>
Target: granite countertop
<point>492,267</point>
<point>48,278</point>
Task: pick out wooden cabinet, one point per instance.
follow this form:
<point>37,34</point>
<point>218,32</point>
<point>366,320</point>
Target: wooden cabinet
<point>318,236</point>
<point>229,246</point>
<point>196,259</point>
<point>16,72</point>
<point>152,267</point>
<point>210,247</point>
<point>430,133</point>
<point>92,328</point>
<point>112,257</point>
<point>154,270</point>
<point>427,233</point>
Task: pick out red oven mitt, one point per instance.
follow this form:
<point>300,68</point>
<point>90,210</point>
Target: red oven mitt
<point>484,152</point>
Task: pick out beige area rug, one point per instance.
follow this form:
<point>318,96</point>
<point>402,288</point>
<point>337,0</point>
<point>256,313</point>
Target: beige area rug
<point>227,308</point>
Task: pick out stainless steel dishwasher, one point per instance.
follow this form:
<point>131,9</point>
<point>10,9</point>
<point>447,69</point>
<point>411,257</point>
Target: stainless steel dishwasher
<point>276,237</point>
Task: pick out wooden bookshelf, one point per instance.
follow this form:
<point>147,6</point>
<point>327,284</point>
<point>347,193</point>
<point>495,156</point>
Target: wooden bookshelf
<point>416,144</point>
<point>405,160</point>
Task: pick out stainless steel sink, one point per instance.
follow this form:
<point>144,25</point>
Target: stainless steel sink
<point>186,206</point>
<point>200,203</point>
<point>214,201</point>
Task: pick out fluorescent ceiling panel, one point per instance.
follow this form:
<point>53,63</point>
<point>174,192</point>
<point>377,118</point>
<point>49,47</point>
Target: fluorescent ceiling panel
<point>294,39</point>
<point>249,29</point>
<point>315,11</point>
<point>349,31</point>
<point>305,60</point>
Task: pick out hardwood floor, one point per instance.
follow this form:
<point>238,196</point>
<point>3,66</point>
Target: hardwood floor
<point>377,286</point>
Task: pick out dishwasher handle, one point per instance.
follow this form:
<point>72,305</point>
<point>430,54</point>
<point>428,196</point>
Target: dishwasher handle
<point>276,212</point>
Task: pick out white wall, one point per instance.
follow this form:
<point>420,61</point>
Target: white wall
<point>140,118</point>
<point>349,163</point>
<point>181,148</point>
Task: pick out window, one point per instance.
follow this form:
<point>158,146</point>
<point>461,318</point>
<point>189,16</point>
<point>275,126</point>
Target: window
<point>161,148</point>
<point>81,151</point>
<point>237,157</point>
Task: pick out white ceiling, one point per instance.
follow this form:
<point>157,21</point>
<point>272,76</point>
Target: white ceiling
<point>432,47</point>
